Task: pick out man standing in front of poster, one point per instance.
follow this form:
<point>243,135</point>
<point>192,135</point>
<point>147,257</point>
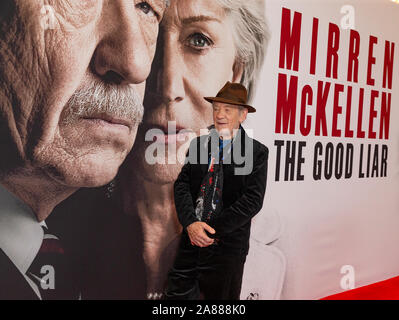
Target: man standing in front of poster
<point>215,202</point>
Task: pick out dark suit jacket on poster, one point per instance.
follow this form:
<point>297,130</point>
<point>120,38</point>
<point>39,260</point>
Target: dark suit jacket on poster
<point>242,194</point>
<point>105,243</point>
<point>13,285</point>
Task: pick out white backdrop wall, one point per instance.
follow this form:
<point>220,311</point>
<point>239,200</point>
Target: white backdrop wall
<point>329,224</point>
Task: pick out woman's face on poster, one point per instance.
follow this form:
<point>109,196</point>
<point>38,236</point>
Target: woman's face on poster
<point>195,57</point>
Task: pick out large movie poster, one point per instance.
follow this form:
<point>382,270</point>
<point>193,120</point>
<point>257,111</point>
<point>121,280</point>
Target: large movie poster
<point>100,100</point>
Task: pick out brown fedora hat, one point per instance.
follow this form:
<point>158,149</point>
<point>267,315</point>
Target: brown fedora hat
<point>232,93</point>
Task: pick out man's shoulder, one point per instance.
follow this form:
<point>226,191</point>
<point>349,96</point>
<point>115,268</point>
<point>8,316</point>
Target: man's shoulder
<point>198,141</point>
<point>262,147</point>
<point>259,147</point>
<point>200,138</point>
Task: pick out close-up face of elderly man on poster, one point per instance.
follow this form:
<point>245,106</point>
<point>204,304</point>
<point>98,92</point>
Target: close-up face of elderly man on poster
<point>72,82</point>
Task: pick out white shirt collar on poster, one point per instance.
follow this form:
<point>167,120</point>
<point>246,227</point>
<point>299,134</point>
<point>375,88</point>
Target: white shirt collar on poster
<point>21,235</point>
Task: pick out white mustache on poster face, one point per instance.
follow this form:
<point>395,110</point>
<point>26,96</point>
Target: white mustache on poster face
<point>121,102</point>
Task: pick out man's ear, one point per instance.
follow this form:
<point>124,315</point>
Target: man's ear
<point>238,71</point>
<point>244,114</point>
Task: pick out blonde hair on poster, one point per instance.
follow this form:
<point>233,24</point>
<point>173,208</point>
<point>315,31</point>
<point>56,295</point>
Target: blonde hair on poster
<point>251,37</point>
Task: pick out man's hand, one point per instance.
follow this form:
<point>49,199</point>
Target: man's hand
<point>198,237</point>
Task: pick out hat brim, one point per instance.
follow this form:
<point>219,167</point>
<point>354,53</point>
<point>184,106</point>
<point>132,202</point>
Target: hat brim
<point>220,99</point>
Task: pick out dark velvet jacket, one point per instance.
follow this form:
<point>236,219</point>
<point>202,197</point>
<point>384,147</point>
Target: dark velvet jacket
<point>243,195</point>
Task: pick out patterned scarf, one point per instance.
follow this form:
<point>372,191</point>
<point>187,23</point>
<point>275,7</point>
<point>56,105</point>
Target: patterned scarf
<point>209,202</point>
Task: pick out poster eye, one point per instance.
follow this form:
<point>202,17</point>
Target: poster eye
<point>147,9</point>
<point>199,40</point>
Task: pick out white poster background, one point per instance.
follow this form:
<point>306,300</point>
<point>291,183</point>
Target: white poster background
<point>323,226</point>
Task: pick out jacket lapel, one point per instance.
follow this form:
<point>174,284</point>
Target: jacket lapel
<point>13,285</point>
